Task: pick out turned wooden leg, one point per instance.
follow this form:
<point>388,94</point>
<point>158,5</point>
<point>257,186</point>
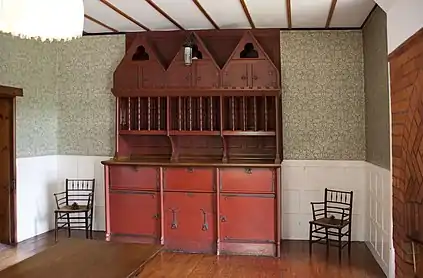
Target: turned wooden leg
<point>55,227</point>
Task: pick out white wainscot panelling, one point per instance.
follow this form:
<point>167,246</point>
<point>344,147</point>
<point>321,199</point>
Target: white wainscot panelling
<point>379,215</point>
<point>304,181</point>
<point>36,181</point>
<point>86,167</point>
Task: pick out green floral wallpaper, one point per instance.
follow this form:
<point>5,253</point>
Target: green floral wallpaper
<point>32,65</point>
<point>323,95</point>
<point>377,90</point>
<point>86,105</point>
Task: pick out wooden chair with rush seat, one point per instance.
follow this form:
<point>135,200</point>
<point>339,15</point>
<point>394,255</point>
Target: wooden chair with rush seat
<point>77,199</point>
<point>332,218</point>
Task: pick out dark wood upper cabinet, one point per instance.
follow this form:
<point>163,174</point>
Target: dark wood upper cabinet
<point>139,68</point>
<point>202,73</point>
<point>249,67</point>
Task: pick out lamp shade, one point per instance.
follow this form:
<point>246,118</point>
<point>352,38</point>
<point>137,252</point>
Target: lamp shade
<point>42,19</point>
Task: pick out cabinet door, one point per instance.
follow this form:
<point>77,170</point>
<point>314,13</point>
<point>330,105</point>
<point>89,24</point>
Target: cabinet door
<point>189,220</point>
<point>206,75</point>
<point>192,179</point>
<point>134,177</point>
<point>263,75</point>
<point>126,76</point>
<point>247,218</point>
<point>235,75</point>
<point>178,75</point>
<point>153,76</point>
<point>254,180</point>
<point>135,214</point>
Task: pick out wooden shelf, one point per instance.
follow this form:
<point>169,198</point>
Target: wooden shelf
<point>248,133</point>
<point>142,132</point>
<point>193,132</point>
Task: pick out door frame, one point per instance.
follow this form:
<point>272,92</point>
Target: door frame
<point>11,93</point>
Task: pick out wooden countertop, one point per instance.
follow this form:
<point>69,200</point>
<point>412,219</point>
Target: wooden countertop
<point>71,258</point>
<point>231,163</point>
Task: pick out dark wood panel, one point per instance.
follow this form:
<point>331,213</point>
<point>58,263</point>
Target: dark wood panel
<point>406,66</point>
<point>135,214</point>
<point>190,222</point>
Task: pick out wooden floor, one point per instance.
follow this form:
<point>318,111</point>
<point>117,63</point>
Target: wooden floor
<point>294,262</point>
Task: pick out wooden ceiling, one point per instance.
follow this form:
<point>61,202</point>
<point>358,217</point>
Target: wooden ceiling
<point>111,16</point>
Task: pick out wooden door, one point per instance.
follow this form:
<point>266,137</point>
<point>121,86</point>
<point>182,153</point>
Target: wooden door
<point>7,192</point>
<point>247,218</point>
<point>263,75</point>
<point>178,75</point>
<point>189,220</point>
<point>206,75</point>
<point>135,214</point>
<point>235,75</point>
<point>127,76</point>
<point>153,76</point>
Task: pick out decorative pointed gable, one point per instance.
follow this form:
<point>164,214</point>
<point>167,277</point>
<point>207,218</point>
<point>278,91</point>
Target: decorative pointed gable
<point>140,68</point>
<point>249,67</point>
<point>204,71</point>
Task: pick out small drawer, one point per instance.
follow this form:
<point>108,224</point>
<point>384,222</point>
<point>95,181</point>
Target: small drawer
<point>134,177</point>
<point>249,180</point>
<point>188,178</point>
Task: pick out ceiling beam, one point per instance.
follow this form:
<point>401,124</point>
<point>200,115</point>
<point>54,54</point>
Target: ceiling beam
<point>111,6</point>
<point>247,13</point>
<point>159,10</point>
<point>100,23</point>
<point>330,15</point>
<point>288,13</point>
<point>206,14</point>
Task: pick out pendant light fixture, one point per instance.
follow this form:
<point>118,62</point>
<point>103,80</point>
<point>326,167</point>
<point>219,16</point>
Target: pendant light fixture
<point>42,19</point>
<point>188,50</point>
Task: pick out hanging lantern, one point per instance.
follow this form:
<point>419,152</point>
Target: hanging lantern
<point>42,19</point>
<point>188,51</point>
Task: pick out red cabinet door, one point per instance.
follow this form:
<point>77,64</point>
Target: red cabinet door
<point>264,75</point>
<point>254,180</point>
<point>126,76</point>
<point>247,218</point>
<point>189,220</point>
<point>192,179</point>
<point>235,75</point>
<point>178,75</point>
<point>206,74</point>
<point>134,177</point>
<point>135,214</point>
<point>153,76</point>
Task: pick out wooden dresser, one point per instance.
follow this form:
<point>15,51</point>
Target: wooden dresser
<point>198,147</point>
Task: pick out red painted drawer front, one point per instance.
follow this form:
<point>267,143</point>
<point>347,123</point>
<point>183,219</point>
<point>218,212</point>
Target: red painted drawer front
<point>200,179</point>
<point>259,180</point>
<point>134,178</point>
<point>247,218</point>
<point>135,213</point>
<point>189,220</point>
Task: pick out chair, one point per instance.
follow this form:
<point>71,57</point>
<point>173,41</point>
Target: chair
<point>77,199</point>
<point>332,218</point>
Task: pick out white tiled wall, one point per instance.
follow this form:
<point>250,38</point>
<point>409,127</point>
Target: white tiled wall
<point>379,211</point>
<point>304,181</point>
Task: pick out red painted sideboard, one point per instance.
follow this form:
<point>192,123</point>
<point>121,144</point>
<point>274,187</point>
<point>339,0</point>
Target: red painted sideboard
<point>198,147</point>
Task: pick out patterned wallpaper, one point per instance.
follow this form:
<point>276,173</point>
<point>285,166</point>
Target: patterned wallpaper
<point>376,90</point>
<point>32,65</point>
<point>323,95</point>
<point>87,107</point>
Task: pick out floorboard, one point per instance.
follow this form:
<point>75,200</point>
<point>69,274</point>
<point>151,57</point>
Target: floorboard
<point>294,262</point>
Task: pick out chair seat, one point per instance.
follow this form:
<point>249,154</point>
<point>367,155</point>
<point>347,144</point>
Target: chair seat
<point>69,209</point>
<point>330,222</point>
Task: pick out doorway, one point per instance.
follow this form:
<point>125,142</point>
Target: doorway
<point>8,164</point>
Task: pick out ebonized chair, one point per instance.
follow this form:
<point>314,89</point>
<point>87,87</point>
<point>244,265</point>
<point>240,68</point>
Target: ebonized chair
<point>333,218</point>
<point>77,199</point>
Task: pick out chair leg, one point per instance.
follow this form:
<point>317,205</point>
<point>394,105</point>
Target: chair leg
<point>310,240</point>
<point>86,225</point>
<point>69,225</point>
<point>55,226</point>
<point>339,244</point>
<point>349,240</point>
<point>91,225</point>
<point>327,241</point>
